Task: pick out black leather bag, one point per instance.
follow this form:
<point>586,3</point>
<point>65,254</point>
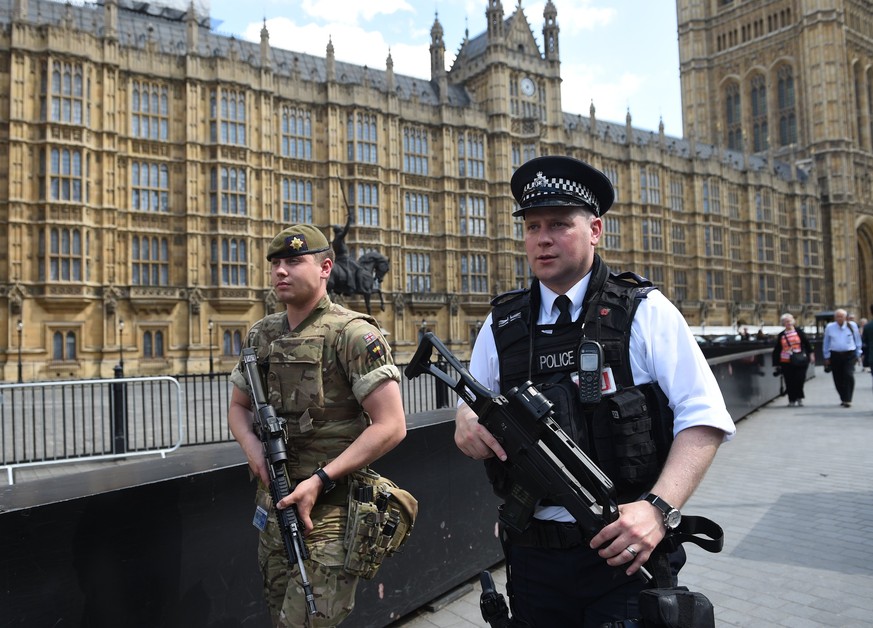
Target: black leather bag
<point>676,608</point>
<point>799,359</point>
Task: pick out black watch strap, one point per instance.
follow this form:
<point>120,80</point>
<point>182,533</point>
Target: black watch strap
<point>672,516</point>
<point>327,484</point>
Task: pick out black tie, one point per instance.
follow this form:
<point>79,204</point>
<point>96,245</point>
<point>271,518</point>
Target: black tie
<point>563,305</point>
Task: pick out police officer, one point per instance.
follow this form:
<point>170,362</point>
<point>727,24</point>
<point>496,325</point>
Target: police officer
<point>653,427</point>
<point>330,374</point>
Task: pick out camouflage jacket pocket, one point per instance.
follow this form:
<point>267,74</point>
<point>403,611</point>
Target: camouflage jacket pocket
<point>294,377</point>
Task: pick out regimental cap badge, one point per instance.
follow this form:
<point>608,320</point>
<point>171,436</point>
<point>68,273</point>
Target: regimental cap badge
<point>297,240</point>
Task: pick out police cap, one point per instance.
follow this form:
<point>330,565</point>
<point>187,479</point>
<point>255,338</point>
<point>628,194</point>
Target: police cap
<point>555,181</point>
<point>297,240</point>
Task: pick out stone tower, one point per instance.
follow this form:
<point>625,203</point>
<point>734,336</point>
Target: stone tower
<point>793,80</point>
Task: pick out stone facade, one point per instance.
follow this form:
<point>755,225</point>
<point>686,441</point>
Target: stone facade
<point>147,162</point>
<point>792,80</point>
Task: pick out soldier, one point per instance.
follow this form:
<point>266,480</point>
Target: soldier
<point>330,374</point>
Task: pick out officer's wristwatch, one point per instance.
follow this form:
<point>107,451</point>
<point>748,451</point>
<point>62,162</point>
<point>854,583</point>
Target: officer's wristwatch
<point>672,516</point>
<point>327,484</point>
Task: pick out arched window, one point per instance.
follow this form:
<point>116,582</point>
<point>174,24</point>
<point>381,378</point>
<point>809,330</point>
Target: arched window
<point>153,344</point>
<point>64,346</point>
<point>733,117</point>
<point>786,106</point>
<point>159,344</point>
<point>760,140</point>
<point>232,342</point>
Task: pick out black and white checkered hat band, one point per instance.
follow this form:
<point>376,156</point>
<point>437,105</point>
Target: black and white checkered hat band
<point>555,186</point>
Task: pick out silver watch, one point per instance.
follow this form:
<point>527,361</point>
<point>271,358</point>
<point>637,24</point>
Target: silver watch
<point>672,516</point>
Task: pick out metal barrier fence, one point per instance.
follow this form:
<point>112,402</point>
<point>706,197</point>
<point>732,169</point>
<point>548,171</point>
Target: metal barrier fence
<point>207,399</point>
<point>86,420</point>
<point>77,420</point>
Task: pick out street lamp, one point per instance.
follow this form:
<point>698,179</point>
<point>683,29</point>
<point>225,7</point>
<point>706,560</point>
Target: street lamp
<point>20,330</point>
<point>210,347</point>
<point>476,328</point>
<point>121,343</point>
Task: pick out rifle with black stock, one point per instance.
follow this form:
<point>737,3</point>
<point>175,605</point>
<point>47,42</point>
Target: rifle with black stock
<point>542,460</point>
<point>270,427</point>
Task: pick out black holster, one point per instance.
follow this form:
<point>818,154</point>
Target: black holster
<point>676,608</point>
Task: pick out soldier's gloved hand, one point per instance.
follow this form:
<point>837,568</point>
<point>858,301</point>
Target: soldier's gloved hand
<point>777,371</point>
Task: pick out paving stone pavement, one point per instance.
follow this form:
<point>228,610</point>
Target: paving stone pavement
<point>794,494</point>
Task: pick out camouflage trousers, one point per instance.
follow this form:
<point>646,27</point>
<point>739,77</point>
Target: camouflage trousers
<point>332,587</point>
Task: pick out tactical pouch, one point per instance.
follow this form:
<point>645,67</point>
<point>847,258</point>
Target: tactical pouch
<point>676,608</point>
<point>381,516</point>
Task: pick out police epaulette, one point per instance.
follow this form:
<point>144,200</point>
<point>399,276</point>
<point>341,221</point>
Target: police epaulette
<point>632,278</point>
<point>643,292</point>
<point>506,297</point>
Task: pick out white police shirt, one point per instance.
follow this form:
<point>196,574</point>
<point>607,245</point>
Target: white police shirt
<point>662,350</point>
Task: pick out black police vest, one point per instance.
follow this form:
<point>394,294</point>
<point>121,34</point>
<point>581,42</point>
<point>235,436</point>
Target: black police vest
<point>628,434</point>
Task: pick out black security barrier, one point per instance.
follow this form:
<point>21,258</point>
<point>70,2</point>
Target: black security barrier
<point>170,542</point>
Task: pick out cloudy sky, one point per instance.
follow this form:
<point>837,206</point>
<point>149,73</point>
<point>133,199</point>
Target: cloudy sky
<point>620,54</point>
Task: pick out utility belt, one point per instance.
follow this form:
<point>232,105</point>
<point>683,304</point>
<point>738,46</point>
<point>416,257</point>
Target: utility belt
<point>381,516</point>
<point>546,534</point>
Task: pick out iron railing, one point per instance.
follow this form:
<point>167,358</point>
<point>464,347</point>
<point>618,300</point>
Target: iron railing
<point>77,420</point>
<point>85,420</point>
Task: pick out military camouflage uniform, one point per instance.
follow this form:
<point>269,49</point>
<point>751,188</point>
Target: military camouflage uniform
<point>316,378</point>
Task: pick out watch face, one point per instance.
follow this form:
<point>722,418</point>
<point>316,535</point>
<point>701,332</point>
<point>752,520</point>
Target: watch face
<point>528,87</point>
<point>672,519</point>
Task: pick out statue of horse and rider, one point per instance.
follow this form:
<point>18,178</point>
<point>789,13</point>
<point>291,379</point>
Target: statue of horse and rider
<point>350,277</point>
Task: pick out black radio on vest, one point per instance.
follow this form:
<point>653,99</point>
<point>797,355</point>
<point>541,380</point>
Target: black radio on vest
<point>590,366</point>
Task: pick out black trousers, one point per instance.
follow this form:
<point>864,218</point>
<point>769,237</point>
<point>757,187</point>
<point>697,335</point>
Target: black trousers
<point>795,378</point>
<point>571,588</point>
<point>843,369</point>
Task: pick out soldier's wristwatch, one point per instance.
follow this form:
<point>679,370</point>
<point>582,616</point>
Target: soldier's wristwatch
<point>327,484</point>
<point>672,516</point>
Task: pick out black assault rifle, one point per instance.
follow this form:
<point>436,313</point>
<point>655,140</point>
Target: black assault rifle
<point>271,429</point>
<point>542,460</point>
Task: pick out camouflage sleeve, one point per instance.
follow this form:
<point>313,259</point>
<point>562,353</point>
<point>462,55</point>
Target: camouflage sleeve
<point>365,357</point>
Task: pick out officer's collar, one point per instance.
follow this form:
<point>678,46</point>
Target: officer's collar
<point>575,293</point>
<point>581,292</point>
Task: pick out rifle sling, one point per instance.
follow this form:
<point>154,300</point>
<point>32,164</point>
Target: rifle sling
<point>694,529</point>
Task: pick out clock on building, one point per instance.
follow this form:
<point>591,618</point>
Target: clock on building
<point>528,87</point>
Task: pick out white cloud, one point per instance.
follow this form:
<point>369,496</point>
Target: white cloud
<point>352,44</point>
<point>573,17</point>
<point>352,11</point>
<point>611,94</point>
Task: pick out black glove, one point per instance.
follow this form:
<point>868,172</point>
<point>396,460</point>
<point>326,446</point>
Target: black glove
<point>777,371</point>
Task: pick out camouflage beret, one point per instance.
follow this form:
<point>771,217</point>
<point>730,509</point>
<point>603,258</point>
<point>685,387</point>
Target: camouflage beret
<point>297,240</point>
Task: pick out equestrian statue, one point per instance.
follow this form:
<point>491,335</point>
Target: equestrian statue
<point>363,276</point>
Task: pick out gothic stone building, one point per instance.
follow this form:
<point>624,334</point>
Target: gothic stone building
<point>792,81</point>
<point>145,163</point>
